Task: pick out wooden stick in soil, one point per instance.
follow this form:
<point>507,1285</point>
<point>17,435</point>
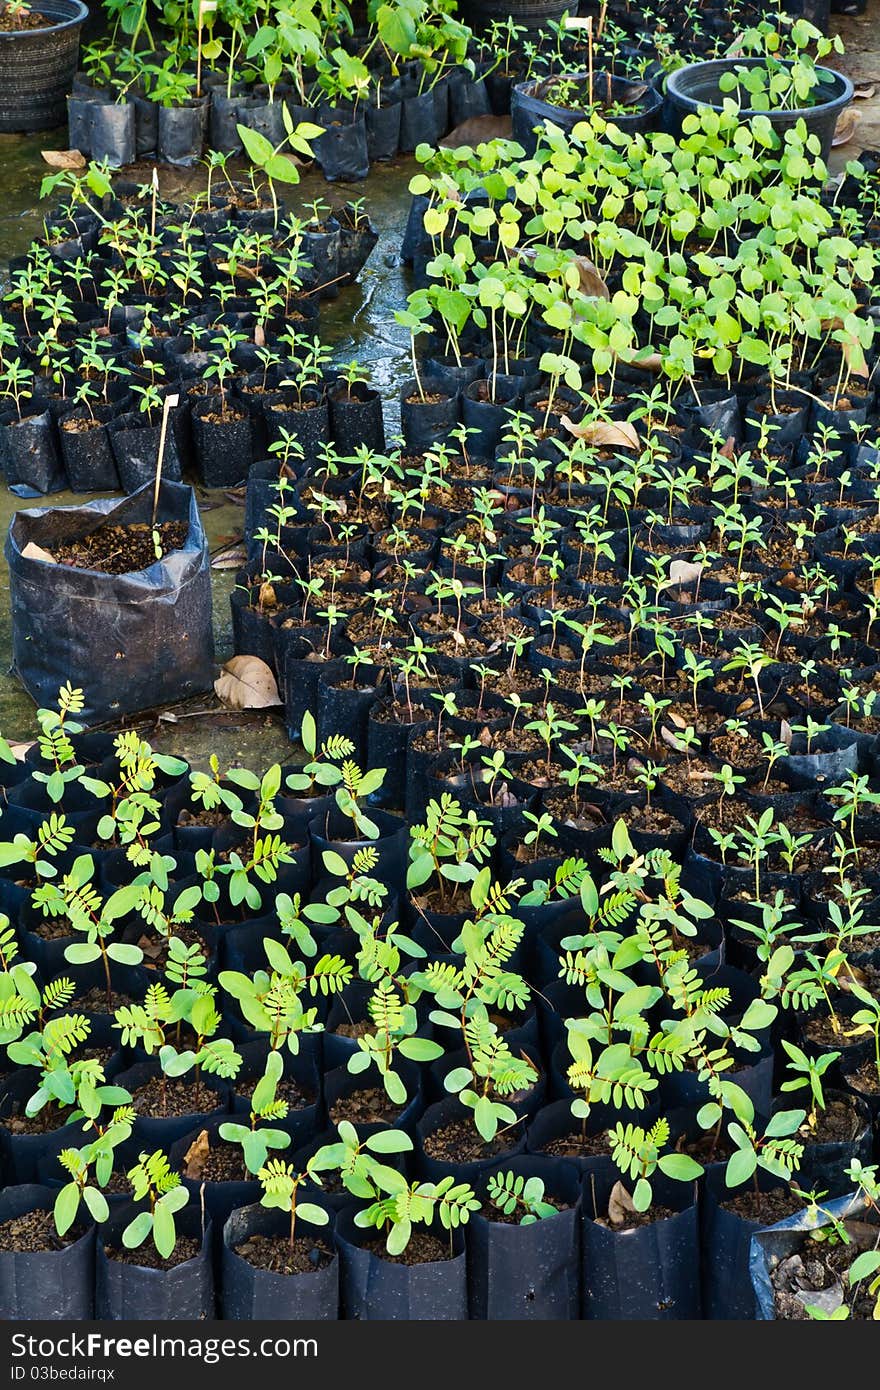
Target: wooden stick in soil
<point>153,204</point>
<point>170,404</point>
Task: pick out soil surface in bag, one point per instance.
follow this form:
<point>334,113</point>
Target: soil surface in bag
<point>34,1231</point>
<point>122,549</point>
<point>274,1254</point>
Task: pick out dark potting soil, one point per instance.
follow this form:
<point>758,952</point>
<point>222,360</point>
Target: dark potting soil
<point>430,398</point>
<point>636,1219</point>
<point>94,1001</point>
<point>577,1145</point>
<point>52,930</point>
<point>766,1207</point>
<point>368,1107</point>
<point>357,1029</point>
<point>11,23</point>
<point>146,1256</point>
<point>80,425</point>
<point>162,1097</point>
<point>273,1253</point>
<point>459,1142</point>
<point>203,817</point>
<point>837,1123</point>
<point>33,1231</point>
<point>287,1089</point>
<point>422,1249</point>
<point>44,1122</point>
<point>820,1030</point>
<point>121,549</point>
<point>222,1163</point>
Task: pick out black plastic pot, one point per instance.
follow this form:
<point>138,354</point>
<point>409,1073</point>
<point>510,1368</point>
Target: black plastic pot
<point>696,85</point>
<point>135,444</point>
<point>425,422</point>
<point>528,1273</point>
<point>419,122</point>
<point>327,832</point>
<point>181,133</point>
<point>223,448</point>
<point>47,1284</point>
<point>342,150</point>
<point>651,1272</point>
<point>112,132</point>
<point>488,417</point>
<point>129,1292</point>
<point>383,130</point>
<point>130,641</point>
<point>529,109</point>
<point>726,1240</point>
<point>88,455</point>
<point>356,418</point>
<point>249,1293</point>
<point>29,453</point>
<point>37,68</point>
<point>374,1289</point>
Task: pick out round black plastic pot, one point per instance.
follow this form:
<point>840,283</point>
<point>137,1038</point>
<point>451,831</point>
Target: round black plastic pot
<point>88,456</point>
<point>725,1240</point>
<point>249,1293</point>
<point>223,121</point>
<point>223,447</point>
<point>383,130</point>
<point>308,423</point>
<point>112,133</point>
<point>650,1273</point>
<point>329,832</point>
<point>130,1292</point>
<point>146,125</point>
<point>252,631</point>
<point>340,1085</point>
<point>161,1131</point>
<point>530,1273</point>
<point>419,122</point>
<point>487,416</point>
<point>468,98</point>
<point>773,1244</point>
<point>299,679</point>
<point>181,133</point>
<point>376,1289</point>
<point>343,709</point>
<point>423,421</point>
<point>358,237</point>
<point>220,1198</point>
<point>387,746</point>
<point>696,85</point>
<point>823,1165</point>
<point>356,418</point>
<point>37,68</point>
<point>342,150</point>
<point>529,110</point>
<point>320,248</point>
<point>46,1284</point>
<point>135,447</point>
<point>29,453</point>
<point>304,1067</point>
<point>787,413</point>
<point>446,1112</point>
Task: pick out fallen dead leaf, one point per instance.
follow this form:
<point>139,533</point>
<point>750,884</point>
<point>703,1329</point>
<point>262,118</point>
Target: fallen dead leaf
<point>620,1205</point>
<point>18,750</point>
<point>231,559</point>
<point>32,551</point>
<point>608,432</point>
<point>847,123</point>
<point>786,733</point>
<point>865,91</point>
<point>64,159</point>
<point>196,1156</point>
<point>246,682</point>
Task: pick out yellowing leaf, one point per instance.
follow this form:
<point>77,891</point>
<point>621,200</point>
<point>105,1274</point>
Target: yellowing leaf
<point>246,682</point>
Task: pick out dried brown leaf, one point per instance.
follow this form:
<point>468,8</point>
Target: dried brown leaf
<point>32,551</point>
<point>478,130</point>
<point>613,433</point>
<point>64,159</point>
<point>246,682</point>
<point>620,1205</point>
<point>196,1156</point>
<point>847,123</point>
<point>231,559</point>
